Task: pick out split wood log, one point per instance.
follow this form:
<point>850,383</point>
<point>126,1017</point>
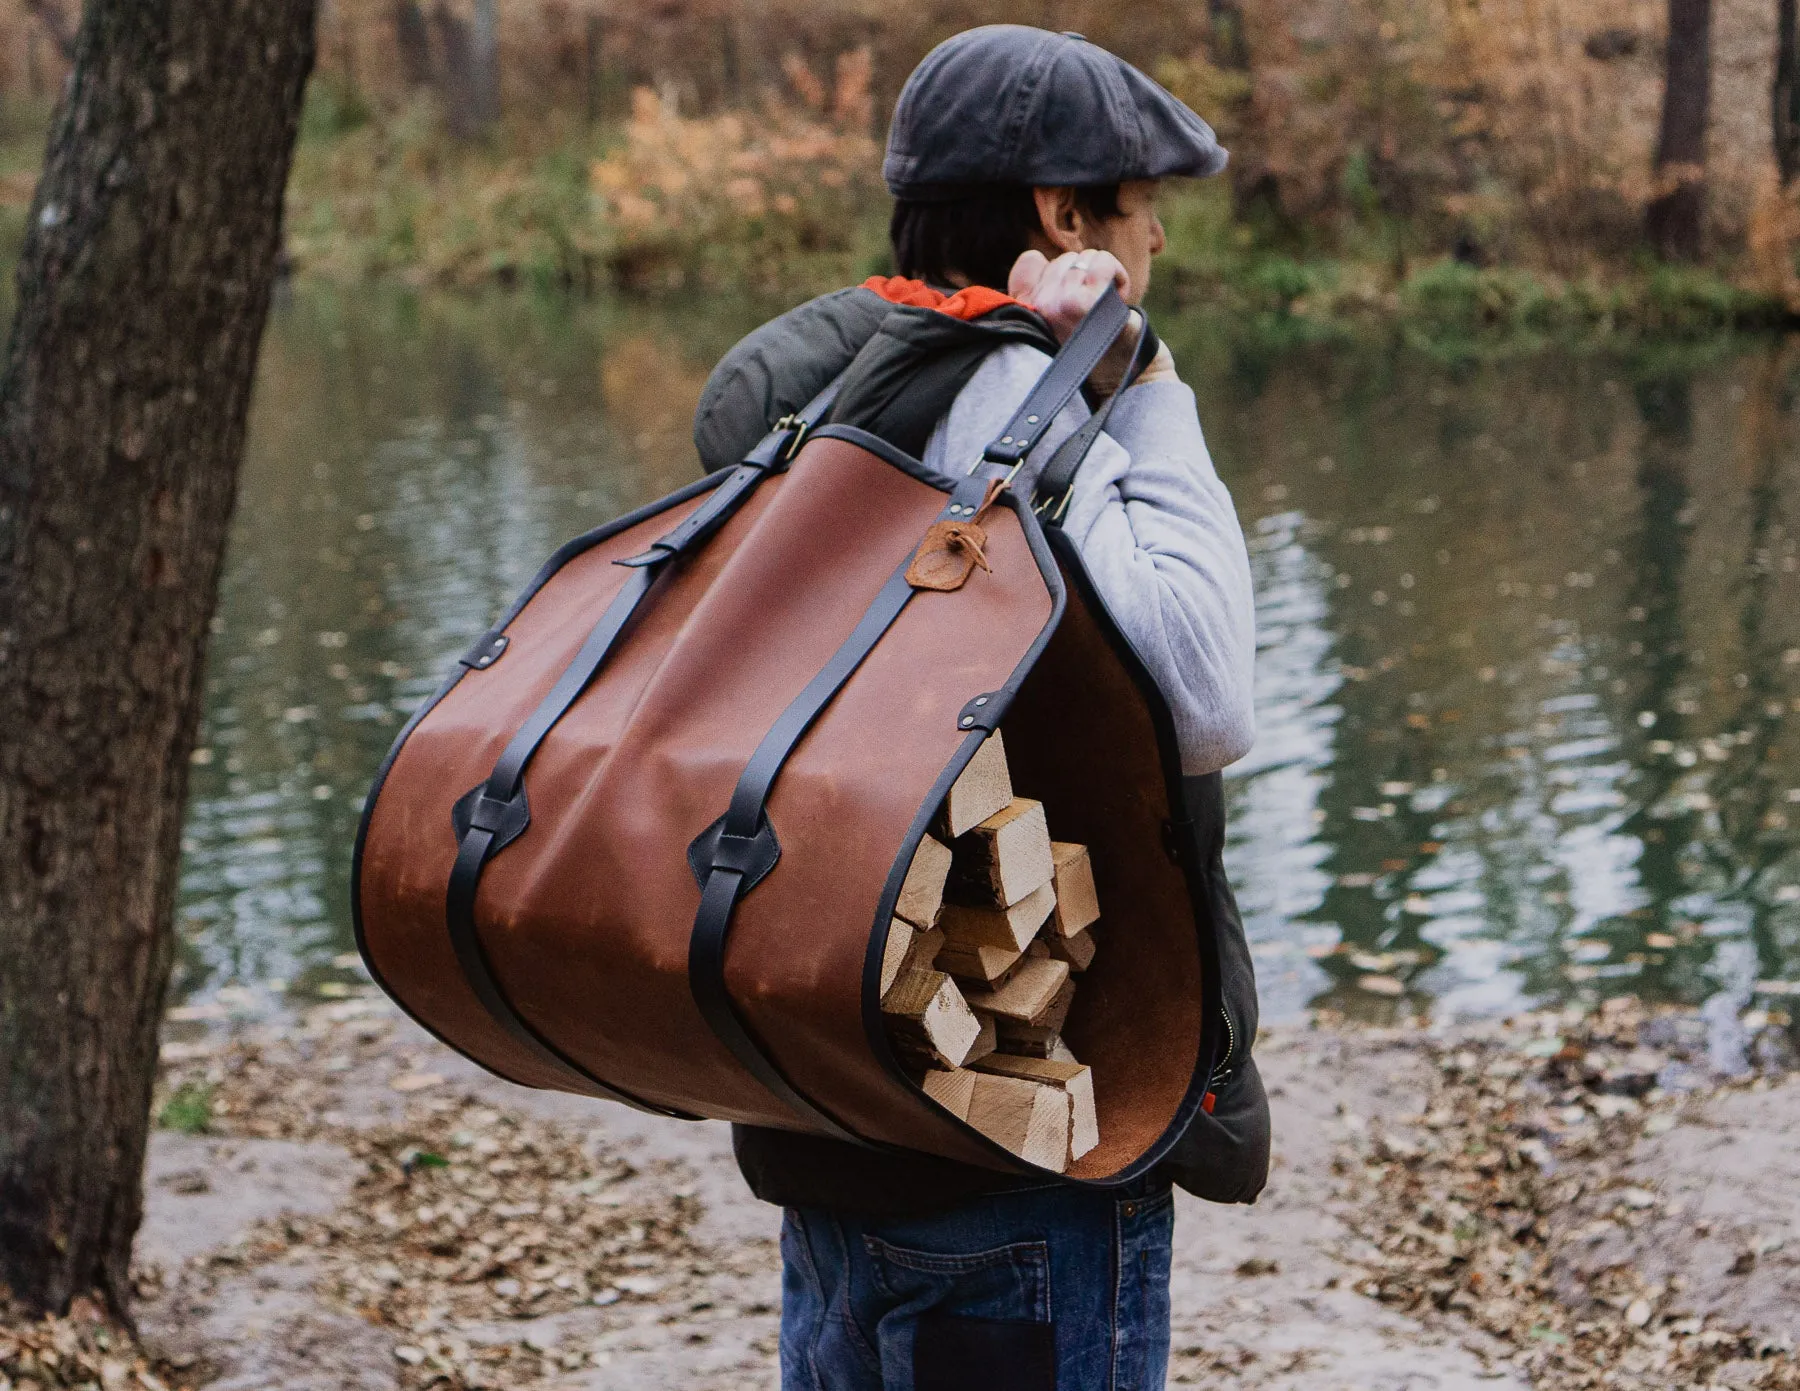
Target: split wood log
<point>1036,1038</point>
<point>907,949</point>
<point>929,1018</point>
<point>1027,995</point>
<point>1003,859</point>
<point>1074,1078</point>
<point>981,964</point>
<point>1077,949</point>
<point>1010,929</point>
<point>923,892</point>
<point>925,949</point>
<point>953,1090</point>
<point>1077,902</point>
<point>899,946</point>
<point>1025,1042</point>
<point>987,1041</point>
<point>983,788</point>
<point>1028,1118</point>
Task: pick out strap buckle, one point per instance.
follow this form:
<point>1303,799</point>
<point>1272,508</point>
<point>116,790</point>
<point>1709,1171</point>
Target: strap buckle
<point>800,426</point>
<point>1011,473</point>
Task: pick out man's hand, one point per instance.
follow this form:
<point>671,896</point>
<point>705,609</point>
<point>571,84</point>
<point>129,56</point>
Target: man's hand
<point>1063,291</point>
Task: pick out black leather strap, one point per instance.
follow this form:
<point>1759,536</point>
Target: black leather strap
<point>1050,500</point>
<point>494,814</point>
<point>746,831</point>
<point>1071,367</point>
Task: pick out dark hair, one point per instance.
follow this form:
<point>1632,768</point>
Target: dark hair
<point>978,234</point>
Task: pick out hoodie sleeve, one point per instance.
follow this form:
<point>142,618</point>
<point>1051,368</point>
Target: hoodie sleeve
<point>1160,537</point>
<point>1158,534</point>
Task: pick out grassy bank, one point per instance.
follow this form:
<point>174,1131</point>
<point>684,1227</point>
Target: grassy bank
<point>786,202</point>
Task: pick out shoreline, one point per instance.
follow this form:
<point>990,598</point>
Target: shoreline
<point>1555,1201</point>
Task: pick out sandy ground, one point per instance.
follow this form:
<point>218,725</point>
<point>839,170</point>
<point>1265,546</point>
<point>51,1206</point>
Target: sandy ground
<point>1265,1297</point>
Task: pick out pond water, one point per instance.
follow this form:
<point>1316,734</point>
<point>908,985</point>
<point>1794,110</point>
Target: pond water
<point>1529,683</point>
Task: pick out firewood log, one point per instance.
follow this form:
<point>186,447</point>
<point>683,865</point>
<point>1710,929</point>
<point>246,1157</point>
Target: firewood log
<point>929,1018</point>
<point>923,892</point>
<point>983,788</point>
<point>900,941</point>
<point>1010,928</point>
<point>982,965</point>
<point>1036,1037</point>
<point>1003,859</point>
<point>1077,904</point>
<point>953,1089</point>
<point>1027,995</point>
<point>1028,1118</point>
<point>1077,949</point>
<point>1074,1078</point>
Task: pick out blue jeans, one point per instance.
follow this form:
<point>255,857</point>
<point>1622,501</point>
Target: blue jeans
<point>1034,1290</point>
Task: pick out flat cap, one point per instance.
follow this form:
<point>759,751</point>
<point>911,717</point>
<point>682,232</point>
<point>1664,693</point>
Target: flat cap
<point>1006,103</point>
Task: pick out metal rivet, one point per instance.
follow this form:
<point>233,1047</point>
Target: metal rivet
<point>968,720</point>
<point>484,661</point>
<point>1031,420</point>
<point>981,700</point>
<point>1006,439</point>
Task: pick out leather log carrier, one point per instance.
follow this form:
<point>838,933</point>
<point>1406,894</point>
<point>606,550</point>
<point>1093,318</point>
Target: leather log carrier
<point>645,841</point>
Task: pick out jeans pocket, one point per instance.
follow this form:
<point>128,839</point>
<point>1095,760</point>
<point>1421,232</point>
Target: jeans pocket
<point>952,1352</point>
<point>1004,1282</point>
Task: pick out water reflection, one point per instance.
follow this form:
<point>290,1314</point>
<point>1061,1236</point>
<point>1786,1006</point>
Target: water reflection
<point>1530,639</point>
<point>1531,648</point>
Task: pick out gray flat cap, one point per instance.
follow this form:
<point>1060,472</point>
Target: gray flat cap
<point>1010,104</point>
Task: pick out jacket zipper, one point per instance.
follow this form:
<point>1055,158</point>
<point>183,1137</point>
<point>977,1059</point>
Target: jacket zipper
<point>1223,1070</point>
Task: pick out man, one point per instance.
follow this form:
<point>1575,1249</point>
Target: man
<point>1025,166</point>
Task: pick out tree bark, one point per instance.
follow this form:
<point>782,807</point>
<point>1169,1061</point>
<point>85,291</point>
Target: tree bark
<point>413,40</point>
<point>484,54</point>
<point>142,291</point>
<point>1784,98</point>
<point>456,72</point>
<point>1676,217</point>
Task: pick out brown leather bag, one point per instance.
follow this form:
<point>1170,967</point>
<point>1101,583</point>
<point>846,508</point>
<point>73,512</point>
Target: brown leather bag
<point>644,843</point>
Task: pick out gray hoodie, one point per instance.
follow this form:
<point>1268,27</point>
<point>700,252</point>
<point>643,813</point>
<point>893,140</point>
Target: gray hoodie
<point>1157,532</point>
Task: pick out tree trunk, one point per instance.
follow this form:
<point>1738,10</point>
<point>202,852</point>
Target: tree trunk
<point>1676,217</point>
<point>1230,44</point>
<point>1784,99</point>
<point>484,64</point>
<point>142,290</point>
<point>591,64</point>
<point>456,72</point>
<point>413,40</point>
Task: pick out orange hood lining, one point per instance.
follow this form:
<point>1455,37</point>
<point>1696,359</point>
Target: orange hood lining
<point>969,303</point>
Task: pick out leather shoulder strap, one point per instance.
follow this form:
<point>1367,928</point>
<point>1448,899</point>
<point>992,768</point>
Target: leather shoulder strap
<point>1056,484</point>
<point>1061,380</point>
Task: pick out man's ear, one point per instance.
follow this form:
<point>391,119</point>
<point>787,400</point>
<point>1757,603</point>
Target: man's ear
<point>1060,218</point>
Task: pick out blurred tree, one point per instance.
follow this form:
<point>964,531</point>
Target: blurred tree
<point>468,69</point>
<point>1784,100</point>
<point>143,285</point>
<point>484,54</point>
<point>412,40</point>
<point>1676,217</point>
